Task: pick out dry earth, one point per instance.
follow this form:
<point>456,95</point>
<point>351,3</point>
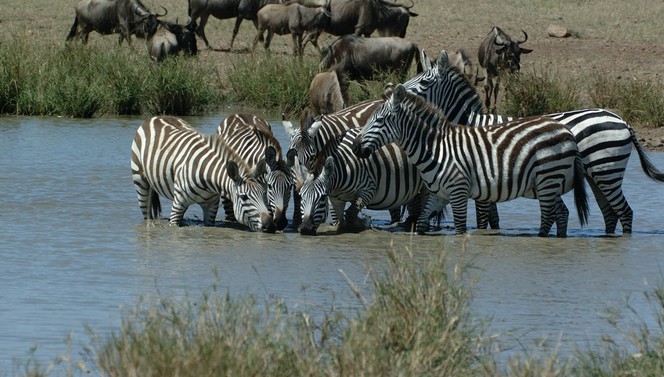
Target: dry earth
<point>623,40</point>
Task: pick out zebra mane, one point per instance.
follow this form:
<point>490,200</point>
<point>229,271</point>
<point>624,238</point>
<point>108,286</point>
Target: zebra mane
<point>451,72</point>
<point>425,111</point>
<point>219,144</point>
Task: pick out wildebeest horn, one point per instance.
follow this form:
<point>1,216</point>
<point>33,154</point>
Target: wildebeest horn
<point>165,12</point>
<point>525,37</point>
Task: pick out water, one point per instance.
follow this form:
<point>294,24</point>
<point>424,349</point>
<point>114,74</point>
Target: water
<point>75,251</point>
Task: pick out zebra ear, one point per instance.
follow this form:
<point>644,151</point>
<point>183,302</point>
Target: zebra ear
<point>233,171</point>
<point>443,59</point>
<point>399,94</point>
<point>313,130</point>
<point>258,170</point>
<point>290,157</point>
<point>289,127</point>
<point>271,156</point>
<point>328,168</point>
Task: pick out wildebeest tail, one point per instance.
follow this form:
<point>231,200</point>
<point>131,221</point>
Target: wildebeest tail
<point>73,30</point>
<point>646,164</point>
<point>580,195</point>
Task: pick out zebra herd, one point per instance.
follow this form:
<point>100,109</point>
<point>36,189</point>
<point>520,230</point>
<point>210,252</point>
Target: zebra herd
<point>426,144</point>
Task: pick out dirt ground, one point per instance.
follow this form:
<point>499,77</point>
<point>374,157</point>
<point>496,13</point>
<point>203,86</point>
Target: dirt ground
<point>622,40</point>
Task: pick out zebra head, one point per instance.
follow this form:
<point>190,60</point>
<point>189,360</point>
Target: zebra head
<point>248,197</point>
<point>302,141</point>
<point>381,129</point>
<point>314,194</point>
<point>280,182</point>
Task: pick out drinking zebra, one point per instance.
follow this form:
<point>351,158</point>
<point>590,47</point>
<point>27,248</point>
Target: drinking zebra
<point>603,138</point>
<point>533,157</point>
<point>312,137</point>
<point>386,180</point>
<point>251,136</point>
<point>171,159</point>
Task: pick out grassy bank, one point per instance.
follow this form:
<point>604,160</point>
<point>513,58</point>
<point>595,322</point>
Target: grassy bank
<point>415,321</point>
<point>89,81</point>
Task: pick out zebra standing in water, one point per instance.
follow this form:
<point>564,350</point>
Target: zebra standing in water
<point>386,180</point>
<point>533,157</point>
<point>313,137</point>
<point>171,159</point>
<point>251,136</point>
<point>603,138</point>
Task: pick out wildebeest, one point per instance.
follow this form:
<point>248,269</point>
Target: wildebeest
<point>363,17</point>
<point>224,9</point>
<point>328,93</point>
<point>126,17</point>
<point>167,38</point>
<point>498,54</point>
<point>361,58</point>
<point>290,18</point>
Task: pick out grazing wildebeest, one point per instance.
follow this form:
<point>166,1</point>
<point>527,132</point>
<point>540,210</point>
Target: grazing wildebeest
<point>498,54</point>
<point>363,17</point>
<point>126,17</point>
<point>361,58</point>
<point>290,18</point>
<point>328,93</point>
<point>167,38</point>
<point>224,9</point>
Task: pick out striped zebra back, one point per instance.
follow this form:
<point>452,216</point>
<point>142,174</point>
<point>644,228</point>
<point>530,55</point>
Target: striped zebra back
<point>252,138</point>
<point>171,159</point>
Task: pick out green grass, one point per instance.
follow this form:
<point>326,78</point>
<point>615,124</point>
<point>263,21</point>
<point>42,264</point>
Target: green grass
<point>639,102</point>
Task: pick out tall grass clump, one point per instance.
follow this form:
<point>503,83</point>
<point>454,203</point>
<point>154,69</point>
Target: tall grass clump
<point>278,83</point>
<point>637,101</point>
<point>538,92</point>
<point>180,86</point>
<point>416,323</point>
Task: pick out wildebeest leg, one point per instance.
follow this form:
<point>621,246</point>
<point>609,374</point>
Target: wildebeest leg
<point>268,39</point>
<point>297,44</point>
<point>495,95</point>
<point>259,37</point>
<point>236,28</point>
<point>200,30</point>
<point>313,38</point>
<point>488,89</point>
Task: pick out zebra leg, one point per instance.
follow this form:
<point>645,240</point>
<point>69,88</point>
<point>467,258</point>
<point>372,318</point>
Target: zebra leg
<point>338,209</point>
<point>482,212</point>
<point>297,208</point>
<point>548,209</point>
<point>178,208</point>
<point>494,218</point>
<point>562,218</point>
<point>210,209</point>
<point>395,215</point>
<point>460,213</point>
<point>610,216</point>
<point>146,197</point>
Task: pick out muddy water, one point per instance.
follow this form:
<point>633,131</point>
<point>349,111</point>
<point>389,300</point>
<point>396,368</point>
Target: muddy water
<point>74,250</point>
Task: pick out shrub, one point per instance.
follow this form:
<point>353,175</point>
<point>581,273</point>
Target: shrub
<point>536,93</point>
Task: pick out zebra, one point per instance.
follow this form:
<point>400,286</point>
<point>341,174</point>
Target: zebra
<point>311,138</point>
<point>170,158</point>
<point>533,157</point>
<point>251,136</point>
<point>385,181</point>
<point>603,138</point>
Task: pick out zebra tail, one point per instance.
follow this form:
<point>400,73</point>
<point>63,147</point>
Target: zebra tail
<point>154,205</point>
<point>646,164</point>
<point>580,194</point>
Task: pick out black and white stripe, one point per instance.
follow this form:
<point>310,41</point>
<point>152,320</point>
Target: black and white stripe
<point>603,138</point>
<point>169,158</point>
<point>534,158</point>
<point>252,139</point>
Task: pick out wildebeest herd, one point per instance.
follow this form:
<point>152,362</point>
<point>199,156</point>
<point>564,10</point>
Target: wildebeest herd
<point>429,142</point>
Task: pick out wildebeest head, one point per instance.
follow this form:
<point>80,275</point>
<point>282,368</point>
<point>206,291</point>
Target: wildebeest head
<point>510,51</point>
